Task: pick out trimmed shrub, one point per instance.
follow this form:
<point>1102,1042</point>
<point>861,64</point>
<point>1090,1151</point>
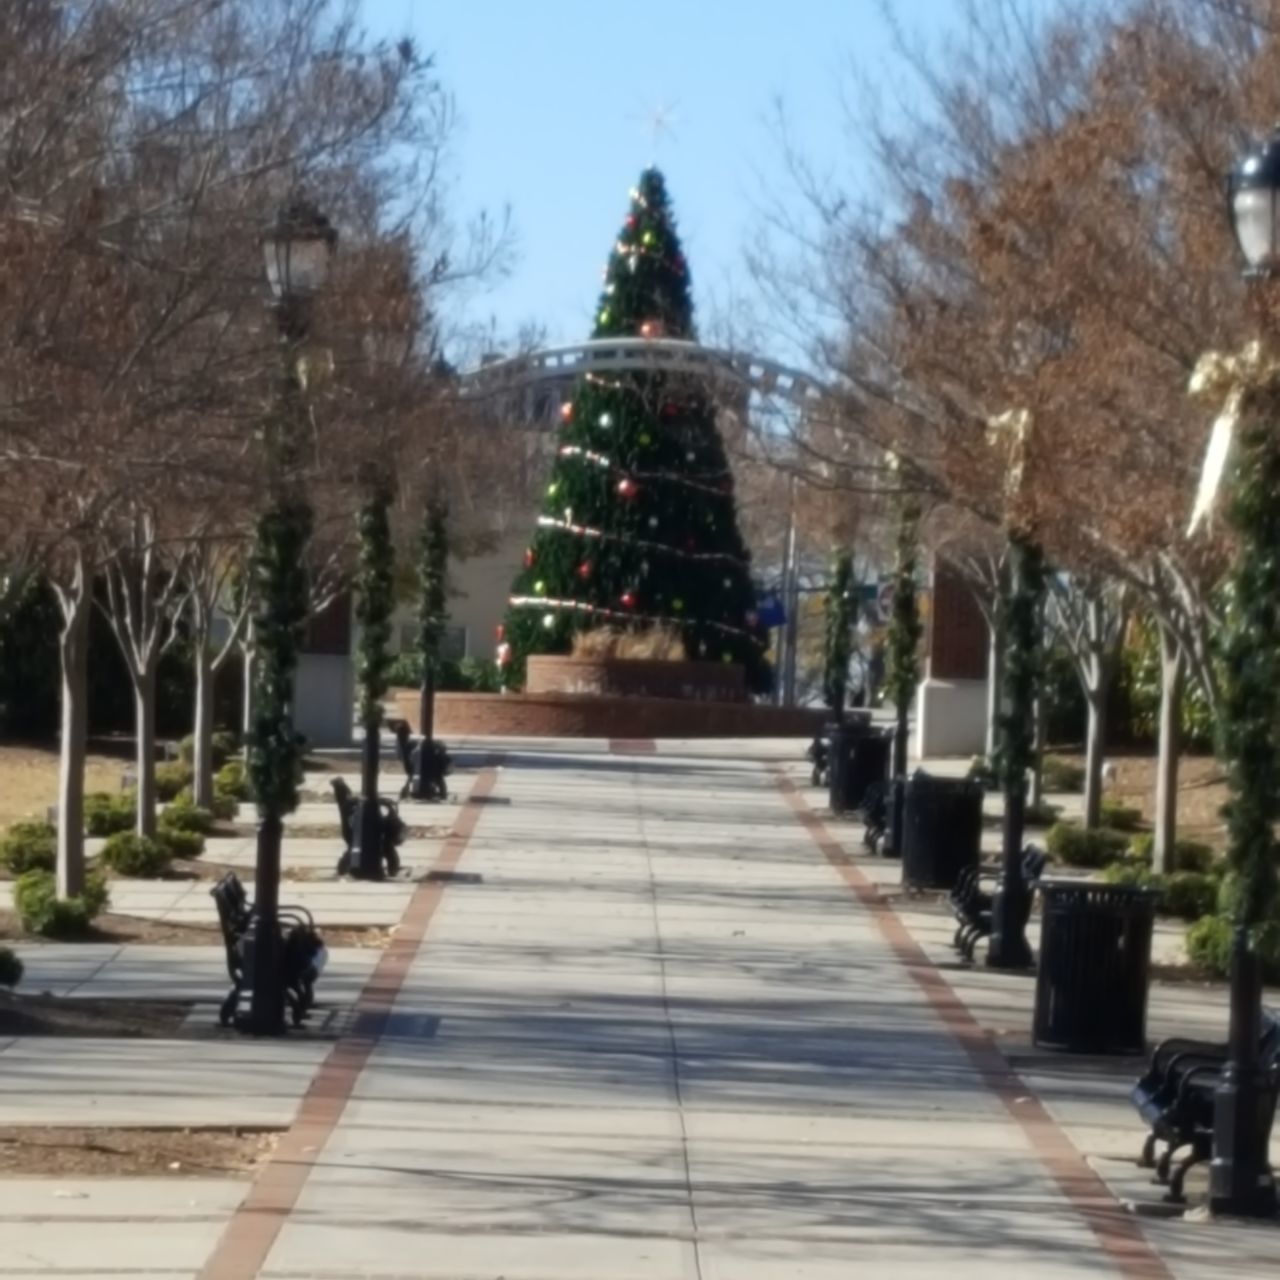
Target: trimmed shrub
<point>1132,873</point>
<point>1120,817</point>
<point>35,896</point>
<point>10,968</point>
<point>105,814</point>
<point>1062,775</point>
<point>222,746</point>
<point>1188,855</point>
<point>1189,895</point>
<point>129,854</point>
<point>1042,815</point>
<point>1071,844</point>
<point>171,778</point>
<point>1209,947</point>
<point>233,780</point>
<point>29,846</point>
<point>182,815</point>
<point>180,844</point>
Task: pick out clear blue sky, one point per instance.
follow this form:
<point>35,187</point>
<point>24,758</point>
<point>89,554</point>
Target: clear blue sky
<point>555,99</point>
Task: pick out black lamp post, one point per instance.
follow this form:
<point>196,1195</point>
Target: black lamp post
<point>1241,1181</point>
<point>297,248</point>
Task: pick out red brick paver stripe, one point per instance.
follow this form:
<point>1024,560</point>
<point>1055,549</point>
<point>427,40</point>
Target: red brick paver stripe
<point>247,1240</point>
<point>1116,1231</point>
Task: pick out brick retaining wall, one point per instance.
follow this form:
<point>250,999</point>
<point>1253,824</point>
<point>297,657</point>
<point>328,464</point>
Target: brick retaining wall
<point>566,715</point>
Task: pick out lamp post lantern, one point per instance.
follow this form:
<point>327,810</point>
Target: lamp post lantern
<point>297,249</point>
<point>1241,1181</point>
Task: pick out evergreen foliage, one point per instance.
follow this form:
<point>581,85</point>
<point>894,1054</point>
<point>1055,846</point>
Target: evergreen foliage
<point>1020,609</point>
<point>842,612</point>
<point>433,611</point>
<point>1250,727</point>
<point>639,525</point>
<point>905,628</point>
<point>375,603</point>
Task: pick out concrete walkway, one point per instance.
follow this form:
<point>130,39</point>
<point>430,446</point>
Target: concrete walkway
<point>661,1039</point>
<point>664,1027</point>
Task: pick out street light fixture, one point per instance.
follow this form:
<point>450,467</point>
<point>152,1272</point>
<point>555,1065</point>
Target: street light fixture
<point>297,249</point>
<point>1241,1181</point>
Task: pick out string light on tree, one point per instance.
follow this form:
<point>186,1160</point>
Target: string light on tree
<point>612,529</point>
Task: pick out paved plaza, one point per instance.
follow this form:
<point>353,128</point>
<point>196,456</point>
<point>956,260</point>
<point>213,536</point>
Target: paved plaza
<point>655,1017</point>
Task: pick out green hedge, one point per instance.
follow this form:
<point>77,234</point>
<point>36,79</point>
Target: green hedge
<point>233,780</point>
<point>1120,817</point>
<point>183,815</point>
<point>29,846</point>
<point>171,779</point>
<point>180,844</point>
<point>35,896</point>
<point>1209,947</point>
<point>1070,843</point>
<point>1062,775</point>
<point>1188,855</point>
<point>129,854</point>
<point>105,814</point>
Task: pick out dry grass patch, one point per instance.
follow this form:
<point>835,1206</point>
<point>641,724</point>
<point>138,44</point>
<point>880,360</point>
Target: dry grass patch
<point>29,780</point>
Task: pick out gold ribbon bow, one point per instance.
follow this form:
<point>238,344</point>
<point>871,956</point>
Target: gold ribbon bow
<point>1229,380</point>
<point>1013,425</point>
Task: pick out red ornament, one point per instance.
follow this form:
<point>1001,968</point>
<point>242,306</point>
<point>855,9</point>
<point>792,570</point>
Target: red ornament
<point>628,600</point>
<point>627,488</point>
<point>584,569</point>
<point>670,410</point>
<point>631,221</point>
<point>566,411</point>
<point>502,631</point>
<point>528,557</point>
<point>651,329</point>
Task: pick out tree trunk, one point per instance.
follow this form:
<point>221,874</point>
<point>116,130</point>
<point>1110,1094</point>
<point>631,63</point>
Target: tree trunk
<point>1173,669</point>
<point>995,678</point>
<point>1095,746</point>
<point>74,656</point>
<point>202,760</point>
<point>246,704</point>
<point>144,721</point>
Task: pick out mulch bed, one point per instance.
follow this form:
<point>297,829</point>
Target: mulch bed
<point>40,1015</point>
<point>120,929</point>
<point>83,1152</point>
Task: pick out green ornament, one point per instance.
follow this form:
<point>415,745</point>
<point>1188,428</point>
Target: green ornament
<point>552,488</point>
<point>726,657</point>
<point>649,239</point>
<point>645,438</point>
<point>678,605</point>
<point>540,587</point>
<point>604,315</point>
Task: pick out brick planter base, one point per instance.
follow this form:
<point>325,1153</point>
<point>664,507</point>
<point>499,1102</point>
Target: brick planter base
<point>567,715</point>
<point>636,677</point>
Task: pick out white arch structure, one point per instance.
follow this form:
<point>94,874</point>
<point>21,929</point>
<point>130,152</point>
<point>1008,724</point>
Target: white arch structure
<point>621,355</point>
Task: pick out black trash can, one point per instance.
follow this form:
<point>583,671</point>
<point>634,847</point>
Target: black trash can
<point>841,773</point>
<point>941,830</point>
<point>1095,967</point>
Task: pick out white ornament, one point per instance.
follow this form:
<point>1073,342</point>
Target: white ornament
<point>653,522</point>
<point>606,420</point>
<point>548,620</point>
<point>690,456</point>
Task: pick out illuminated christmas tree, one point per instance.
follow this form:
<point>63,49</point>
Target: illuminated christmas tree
<point>639,526</point>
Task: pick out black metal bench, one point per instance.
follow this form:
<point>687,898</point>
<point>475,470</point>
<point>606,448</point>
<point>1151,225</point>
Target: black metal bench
<point>391,828</point>
<point>971,904</point>
<point>1175,1097</point>
<point>437,765</point>
<point>301,953</point>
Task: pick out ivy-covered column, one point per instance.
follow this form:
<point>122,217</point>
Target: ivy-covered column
<point>375,602</point>
<point>841,615</point>
<point>1240,1175</point>
<point>1020,607</point>
<point>903,676</point>
<point>433,616</point>
<point>280,590</point>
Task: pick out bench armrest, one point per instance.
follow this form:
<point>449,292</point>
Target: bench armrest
<point>1189,1080</point>
<point>1178,1045</point>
